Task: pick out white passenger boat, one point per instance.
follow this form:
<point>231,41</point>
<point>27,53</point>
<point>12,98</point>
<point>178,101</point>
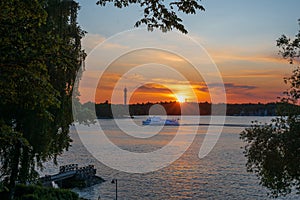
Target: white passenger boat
<point>159,121</point>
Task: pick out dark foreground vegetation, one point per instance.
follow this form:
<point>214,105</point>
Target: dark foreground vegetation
<point>35,192</point>
<point>273,150</point>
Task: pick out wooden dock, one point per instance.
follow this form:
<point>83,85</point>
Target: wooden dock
<point>70,172</point>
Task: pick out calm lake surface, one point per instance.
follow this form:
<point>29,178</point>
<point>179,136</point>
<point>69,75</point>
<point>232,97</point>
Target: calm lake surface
<point>220,175</point>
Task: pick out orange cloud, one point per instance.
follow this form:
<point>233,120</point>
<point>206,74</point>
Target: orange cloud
<point>249,76</point>
<point>167,90</point>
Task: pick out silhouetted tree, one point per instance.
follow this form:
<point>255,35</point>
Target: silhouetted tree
<point>273,150</point>
<point>40,55</point>
<point>158,13</point>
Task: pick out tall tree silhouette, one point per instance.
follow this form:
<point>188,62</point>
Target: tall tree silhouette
<point>40,55</point>
<point>273,150</point>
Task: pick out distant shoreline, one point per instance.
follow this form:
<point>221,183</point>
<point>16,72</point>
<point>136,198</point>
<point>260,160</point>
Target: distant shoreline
<point>115,111</point>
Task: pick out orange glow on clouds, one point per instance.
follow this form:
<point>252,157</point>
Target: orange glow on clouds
<point>248,77</point>
<point>172,91</point>
<point>236,93</point>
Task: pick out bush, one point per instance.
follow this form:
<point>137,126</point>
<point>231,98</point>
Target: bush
<point>34,192</point>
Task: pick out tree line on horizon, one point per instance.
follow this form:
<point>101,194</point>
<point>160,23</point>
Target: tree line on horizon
<point>107,110</point>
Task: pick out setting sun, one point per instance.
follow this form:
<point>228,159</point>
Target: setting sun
<point>180,98</point>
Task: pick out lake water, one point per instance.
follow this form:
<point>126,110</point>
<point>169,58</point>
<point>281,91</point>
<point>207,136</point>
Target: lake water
<point>219,175</point>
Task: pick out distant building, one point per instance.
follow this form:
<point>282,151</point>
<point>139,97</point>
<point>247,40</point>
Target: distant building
<point>125,96</point>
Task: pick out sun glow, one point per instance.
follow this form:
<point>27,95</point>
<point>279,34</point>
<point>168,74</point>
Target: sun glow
<point>180,98</point>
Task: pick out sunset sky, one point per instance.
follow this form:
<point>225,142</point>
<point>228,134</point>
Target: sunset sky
<point>238,36</point>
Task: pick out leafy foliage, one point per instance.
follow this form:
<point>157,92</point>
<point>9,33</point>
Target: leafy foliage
<point>290,49</point>
<point>273,154</point>
<point>43,193</point>
<point>158,14</point>
<point>40,55</point>
<point>273,150</point>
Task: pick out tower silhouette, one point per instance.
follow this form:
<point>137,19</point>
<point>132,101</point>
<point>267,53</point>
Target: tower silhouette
<point>125,96</point>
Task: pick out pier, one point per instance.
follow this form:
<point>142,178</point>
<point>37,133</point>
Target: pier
<point>72,175</point>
